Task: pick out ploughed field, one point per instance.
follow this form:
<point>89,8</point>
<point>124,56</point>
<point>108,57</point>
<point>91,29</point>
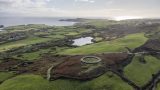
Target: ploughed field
<point>41,57</point>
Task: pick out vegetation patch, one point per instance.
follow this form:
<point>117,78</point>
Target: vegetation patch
<point>98,39</point>
<point>33,55</point>
<point>158,87</point>
<point>19,43</point>
<point>5,75</point>
<point>26,82</point>
<point>108,81</point>
<point>132,41</point>
<point>141,73</point>
<point>38,54</point>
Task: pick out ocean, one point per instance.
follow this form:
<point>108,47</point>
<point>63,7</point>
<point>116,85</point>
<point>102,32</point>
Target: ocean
<point>13,21</point>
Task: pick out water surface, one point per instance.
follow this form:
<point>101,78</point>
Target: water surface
<point>82,41</point>
<point>1,29</point>
<point>13,21</point>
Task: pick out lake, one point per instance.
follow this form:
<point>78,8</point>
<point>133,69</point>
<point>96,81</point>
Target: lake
<point>1,29</point>
<point>12,21</point>
<point>82,41</point>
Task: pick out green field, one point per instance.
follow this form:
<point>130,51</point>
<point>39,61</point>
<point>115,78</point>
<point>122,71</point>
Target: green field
<point>33,55</point>
<point>158,87</point>
<point>108,81</point>
<point>5,75</point>
<point>19,43</point>
<point>131,41</point>
<point>25,82</point>
<point>37,55</point>
<point>141,73</point>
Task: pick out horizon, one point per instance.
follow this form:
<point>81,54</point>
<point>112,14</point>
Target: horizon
<point>119,18</point>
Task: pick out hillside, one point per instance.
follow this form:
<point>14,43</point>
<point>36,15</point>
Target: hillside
<point>42,57</point>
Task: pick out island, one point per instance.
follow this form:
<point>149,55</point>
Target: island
<point>1,26</point>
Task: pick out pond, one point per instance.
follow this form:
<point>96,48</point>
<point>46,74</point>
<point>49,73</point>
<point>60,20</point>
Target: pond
<point>82,41</point>
<point>1,29</point>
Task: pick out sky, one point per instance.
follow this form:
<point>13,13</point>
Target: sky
<point>80,8</point>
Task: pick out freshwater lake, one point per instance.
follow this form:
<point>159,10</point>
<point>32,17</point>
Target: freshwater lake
<point>82,41</point>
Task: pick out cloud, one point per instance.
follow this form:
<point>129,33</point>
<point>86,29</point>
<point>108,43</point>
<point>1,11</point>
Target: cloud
<point>51,8</point>
<point>109,2</point>
<point>25,3</point>
<point>90,1</point>
<point>28,8</point>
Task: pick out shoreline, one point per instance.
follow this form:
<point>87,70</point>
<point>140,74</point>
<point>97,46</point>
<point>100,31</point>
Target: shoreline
<point>24,21</point>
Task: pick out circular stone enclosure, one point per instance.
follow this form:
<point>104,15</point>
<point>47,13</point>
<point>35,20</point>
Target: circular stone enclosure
<point>90,59</point>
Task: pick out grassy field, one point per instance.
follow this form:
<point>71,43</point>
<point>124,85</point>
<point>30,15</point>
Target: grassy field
<point>101,23</point>
<point>140,73</point>
<point>28,41</point>
<point>158,87</point>
<point>98,39</point>
<point>36,55</point>
<point>26,82</point>
<point>5,75</point>
<point>33,55</point>
<point>53,34</point>
<point>35,82</point>
<point>131,41</point>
